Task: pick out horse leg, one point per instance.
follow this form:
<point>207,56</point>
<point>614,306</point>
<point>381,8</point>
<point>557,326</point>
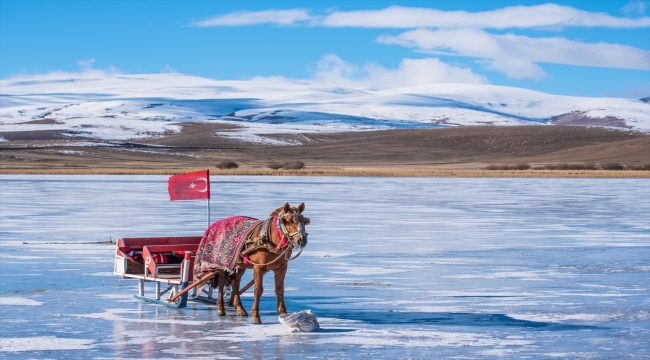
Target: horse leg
<point>228,283</point>
<point>259,289</point>
<point>279,288</point>
<point>236,300</point>
<point>221,311</point>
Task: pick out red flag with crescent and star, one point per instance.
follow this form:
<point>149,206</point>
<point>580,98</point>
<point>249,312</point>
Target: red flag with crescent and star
<point>190,186</point>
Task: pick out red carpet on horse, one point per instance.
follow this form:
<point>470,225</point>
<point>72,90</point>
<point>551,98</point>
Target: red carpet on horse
<point>221,243</point>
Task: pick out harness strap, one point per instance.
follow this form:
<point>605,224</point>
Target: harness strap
<point>262,240</point>
<point>263,234</point>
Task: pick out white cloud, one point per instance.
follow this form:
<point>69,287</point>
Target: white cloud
<point>517,55</point>
<point>242,18</point>
<point>334,71</point>
<point>536,16</point>
<point>86,64</point>
<point>331,69</point>
<point>546,15</point>
<point>168,70</point>
<point>86,73</point>
<point>461,33</point>
<point>634,7</point>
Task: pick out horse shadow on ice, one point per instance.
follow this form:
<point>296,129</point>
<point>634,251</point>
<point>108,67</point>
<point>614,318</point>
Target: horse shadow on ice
<point>397,317</point>
<point>391,317</point>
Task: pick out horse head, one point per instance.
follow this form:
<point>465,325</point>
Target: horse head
<point>291,223</point>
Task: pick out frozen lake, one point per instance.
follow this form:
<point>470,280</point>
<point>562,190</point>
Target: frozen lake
<point>394,268</point>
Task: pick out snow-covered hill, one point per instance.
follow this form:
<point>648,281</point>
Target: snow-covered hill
<point>134,106</point>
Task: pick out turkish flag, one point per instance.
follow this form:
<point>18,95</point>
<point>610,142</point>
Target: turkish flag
<point>190,186</point>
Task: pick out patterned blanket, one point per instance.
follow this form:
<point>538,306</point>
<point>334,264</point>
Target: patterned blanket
<point>221,243</point>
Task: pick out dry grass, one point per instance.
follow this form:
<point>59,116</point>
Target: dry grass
<point>289,165</point>
<point>357,172</point>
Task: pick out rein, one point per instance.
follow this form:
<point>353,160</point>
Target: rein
<point>287,256</point>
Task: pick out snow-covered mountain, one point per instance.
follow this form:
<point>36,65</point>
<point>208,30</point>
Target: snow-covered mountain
<point>122,107</point>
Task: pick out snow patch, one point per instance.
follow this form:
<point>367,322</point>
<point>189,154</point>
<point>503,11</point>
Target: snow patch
<point>71,152</point>
<point>44,343</point>
<point>18,301</point>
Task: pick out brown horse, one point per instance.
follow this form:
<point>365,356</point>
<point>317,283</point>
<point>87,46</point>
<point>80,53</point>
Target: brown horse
<point>269,249</point>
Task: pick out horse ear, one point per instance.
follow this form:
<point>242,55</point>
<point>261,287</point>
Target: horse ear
<point>301,208</point>
<point>286,208</point>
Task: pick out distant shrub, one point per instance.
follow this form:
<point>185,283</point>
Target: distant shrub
<point>275,166</point>
<point>565,166</point>
<point>227,164</point>
<point>611,166</point>
<point>293,165</point>
<point>639,167</point>
<point>561,166</point>
<point>497,167</point>
<point>520,167</point>
<point>508,167</point>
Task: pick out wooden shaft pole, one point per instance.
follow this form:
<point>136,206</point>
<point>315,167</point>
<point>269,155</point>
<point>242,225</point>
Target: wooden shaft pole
<point>196,283</point>
<point>248,286</point>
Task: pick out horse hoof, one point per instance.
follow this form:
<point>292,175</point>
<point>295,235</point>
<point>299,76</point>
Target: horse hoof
<point>221,312</point>
<point>242,312</point>
<point>256,320</point>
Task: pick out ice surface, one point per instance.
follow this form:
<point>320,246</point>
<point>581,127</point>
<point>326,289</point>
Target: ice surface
<point>394,268</point>
<point>122,107</point>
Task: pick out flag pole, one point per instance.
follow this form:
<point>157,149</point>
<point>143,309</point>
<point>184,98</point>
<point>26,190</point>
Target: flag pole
<point>208,212</point>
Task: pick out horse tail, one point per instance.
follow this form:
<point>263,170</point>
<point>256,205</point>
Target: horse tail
<point>214,282</point>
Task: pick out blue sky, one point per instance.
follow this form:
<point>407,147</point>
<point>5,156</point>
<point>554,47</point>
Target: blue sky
<point>589,48</point>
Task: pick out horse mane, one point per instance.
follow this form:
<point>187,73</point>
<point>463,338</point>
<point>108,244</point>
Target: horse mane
<point>278,211</point>
<point>294,209</point>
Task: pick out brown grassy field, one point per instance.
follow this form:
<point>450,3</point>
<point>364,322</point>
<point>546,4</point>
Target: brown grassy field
<point>370,172</point>
<point>449,152</point>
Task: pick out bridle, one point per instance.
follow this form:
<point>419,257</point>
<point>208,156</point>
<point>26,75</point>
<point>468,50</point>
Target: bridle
<point>301,234</point>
